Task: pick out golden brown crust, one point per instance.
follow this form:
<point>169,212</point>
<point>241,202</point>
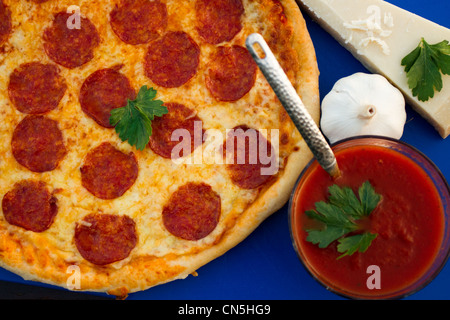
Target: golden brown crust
<point>36,257</point>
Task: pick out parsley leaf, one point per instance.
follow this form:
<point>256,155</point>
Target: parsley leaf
<point>369,198</point>
<point>359,242</point>
<point>339,218</point>
<point>424,66</point>
<point>134,121</point>
<point>337,224</point>
<point>345,199</point>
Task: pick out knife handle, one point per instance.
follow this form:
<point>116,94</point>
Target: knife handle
<point>290,100</point>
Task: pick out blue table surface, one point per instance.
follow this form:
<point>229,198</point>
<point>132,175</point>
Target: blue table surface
<point>264,265</point>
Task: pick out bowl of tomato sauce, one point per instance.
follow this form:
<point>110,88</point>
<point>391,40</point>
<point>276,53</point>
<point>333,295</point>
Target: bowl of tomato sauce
<point>393,236</point>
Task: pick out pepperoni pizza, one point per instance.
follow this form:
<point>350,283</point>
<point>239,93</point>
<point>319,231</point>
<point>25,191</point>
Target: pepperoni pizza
<point>85,210</point>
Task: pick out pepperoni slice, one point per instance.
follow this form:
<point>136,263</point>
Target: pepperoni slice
<point>172,60</point>
<point>218,20</point>
<point>37,143</point>
<point>30,205</point>
<point>105,238</point>
<point>5,23</point>
<point>231,73</point>
<point>70,48</point>
<point>139,21</point>
<point>108,173</point>
<point>192,212</point>
<point>36,88</point>
<point>103,91</point>
<point>246,166</point>
<point>179,117</point>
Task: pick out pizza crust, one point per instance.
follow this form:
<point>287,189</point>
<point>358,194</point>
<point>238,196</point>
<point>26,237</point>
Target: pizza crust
<point>31,257</point>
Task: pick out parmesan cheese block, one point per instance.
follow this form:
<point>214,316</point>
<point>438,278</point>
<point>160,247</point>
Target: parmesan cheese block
<point>379,35</point>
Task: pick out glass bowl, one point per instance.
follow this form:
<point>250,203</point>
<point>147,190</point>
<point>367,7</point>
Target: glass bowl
<point>443,193</point>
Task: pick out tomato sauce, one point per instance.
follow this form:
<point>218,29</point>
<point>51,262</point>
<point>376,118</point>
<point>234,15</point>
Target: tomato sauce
<point>409,221</point>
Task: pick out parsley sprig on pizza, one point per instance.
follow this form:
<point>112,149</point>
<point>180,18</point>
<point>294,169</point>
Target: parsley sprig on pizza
<point>133,122</point>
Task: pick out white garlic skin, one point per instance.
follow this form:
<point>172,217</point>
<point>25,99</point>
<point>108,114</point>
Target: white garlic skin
<point>363,104</point>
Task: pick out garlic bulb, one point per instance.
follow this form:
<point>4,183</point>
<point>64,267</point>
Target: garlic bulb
<point>363,104</point>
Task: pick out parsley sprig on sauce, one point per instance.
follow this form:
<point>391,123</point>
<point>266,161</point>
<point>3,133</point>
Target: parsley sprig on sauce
<point>134,121</point>
<point>424,66</point>
<point>339,217</point>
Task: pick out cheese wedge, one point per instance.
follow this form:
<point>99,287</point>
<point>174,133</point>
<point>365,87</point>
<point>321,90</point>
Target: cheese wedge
<point>379,35</point>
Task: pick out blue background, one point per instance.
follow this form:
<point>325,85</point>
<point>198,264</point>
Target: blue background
<point>265,266</point>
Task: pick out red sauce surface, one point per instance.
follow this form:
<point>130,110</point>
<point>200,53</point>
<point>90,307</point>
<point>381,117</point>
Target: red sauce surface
<point>409,221</point>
